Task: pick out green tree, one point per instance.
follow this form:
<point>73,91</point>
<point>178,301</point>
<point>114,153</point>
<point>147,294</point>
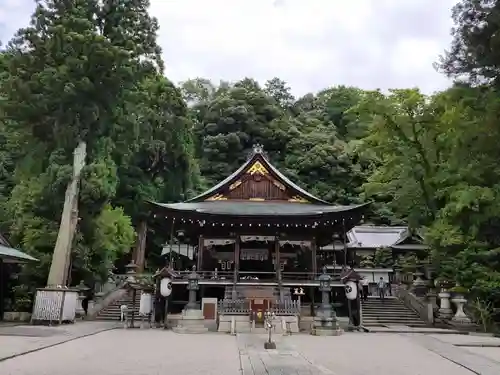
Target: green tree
<point>82,71</point>
<point>475,51</point>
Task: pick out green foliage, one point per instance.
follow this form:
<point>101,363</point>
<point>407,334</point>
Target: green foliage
<point>381,258</point>
<point>113,236</point>
<point>458,289</point>
<point>92,71</point>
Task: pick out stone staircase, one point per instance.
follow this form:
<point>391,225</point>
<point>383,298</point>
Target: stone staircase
<point>112,311</point>
<point>390,311</point>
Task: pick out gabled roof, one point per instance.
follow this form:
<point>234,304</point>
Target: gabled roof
<point>376,236</point>
<point>373,237</point>
<point>258,158</point>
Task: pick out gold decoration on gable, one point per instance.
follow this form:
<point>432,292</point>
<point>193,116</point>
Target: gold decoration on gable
<point>234,185</point>
<point>217,197</point>
<point>257,168</point>
<point>298,199</point>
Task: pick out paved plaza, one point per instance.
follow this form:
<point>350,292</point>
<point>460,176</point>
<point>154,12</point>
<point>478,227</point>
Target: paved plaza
<point>97,348</point>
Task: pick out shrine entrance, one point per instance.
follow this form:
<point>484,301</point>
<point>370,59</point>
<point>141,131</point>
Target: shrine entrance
<point>259,307</point>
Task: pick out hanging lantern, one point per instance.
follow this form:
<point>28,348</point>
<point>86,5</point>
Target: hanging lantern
<point>146,304</point>
<point>166,287</point>
<point>351,290</point>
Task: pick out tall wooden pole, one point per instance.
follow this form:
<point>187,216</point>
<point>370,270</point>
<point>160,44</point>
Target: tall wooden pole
<point>62,250</point>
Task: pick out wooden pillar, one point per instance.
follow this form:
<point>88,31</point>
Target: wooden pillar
<point>199,260</point>
<point>314,260</point>
<point>277,266</point>
<point>236,262</point>
<point>236,259</point>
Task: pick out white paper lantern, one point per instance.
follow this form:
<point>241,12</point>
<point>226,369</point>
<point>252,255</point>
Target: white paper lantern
<point>351,290</point>
<point>146,304</point>
<point>166,287</point>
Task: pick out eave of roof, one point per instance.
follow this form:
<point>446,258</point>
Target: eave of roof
<point>11,255</point>
<point>258,154</point>
<point>255,209</point>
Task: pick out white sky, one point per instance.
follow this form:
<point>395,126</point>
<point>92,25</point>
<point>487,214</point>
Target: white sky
<point>311,44</point>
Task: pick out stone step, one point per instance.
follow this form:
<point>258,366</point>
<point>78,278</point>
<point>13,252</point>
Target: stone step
<point>394,318</point>
<point>388,311</point>
<point>401,321</point>
<point>398,310</point>
<point>380,324</point>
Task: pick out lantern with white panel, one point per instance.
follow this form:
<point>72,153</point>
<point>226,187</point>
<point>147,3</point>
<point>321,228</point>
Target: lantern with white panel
<point>166,287</point>
<point>351,290</point>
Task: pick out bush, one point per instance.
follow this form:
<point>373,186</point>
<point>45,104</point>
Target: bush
<point>22,299</point>
<point>458,289</point>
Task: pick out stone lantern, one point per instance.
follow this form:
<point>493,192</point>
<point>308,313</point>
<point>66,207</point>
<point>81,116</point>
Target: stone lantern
<point>325,322</point>
<point>82,293</point>
<point>193,286</point>
<point>132,283</point>
<point>325,286</point>
<point>192,320</point>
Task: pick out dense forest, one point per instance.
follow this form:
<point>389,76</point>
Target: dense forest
<point>92,70</point>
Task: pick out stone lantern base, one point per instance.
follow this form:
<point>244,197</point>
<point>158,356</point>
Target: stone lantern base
<point>325,327</point>
<point>192,321</point>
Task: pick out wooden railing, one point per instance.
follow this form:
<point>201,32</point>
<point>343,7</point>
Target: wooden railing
<point>229,275</point>
<point>234,307</point>
<point>291,308</point>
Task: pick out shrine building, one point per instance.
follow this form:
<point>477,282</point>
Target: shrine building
<point>256,236</point>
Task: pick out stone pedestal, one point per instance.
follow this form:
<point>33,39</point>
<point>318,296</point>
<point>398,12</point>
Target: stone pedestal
<point>419,286</point>
<point>325,327</point>
<point>445,311</point>
<point>460,317</point>
<point>192,321</point>
<point>241,324</point>
<point>55,306</point>
<point>79,311</point>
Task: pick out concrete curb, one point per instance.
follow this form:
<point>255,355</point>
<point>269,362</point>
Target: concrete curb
<point>477,345</point>
<point>56,344</point>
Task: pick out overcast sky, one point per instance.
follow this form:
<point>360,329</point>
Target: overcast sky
<point>311,44</point>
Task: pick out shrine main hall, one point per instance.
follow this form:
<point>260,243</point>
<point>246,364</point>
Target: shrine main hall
<point>256,235</point>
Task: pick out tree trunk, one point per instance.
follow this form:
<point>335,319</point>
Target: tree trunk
<point>139,254</point>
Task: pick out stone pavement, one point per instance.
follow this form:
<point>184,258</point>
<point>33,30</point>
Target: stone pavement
<point>16,340</point>
<point>155,351</point>
<point>134,352</point>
